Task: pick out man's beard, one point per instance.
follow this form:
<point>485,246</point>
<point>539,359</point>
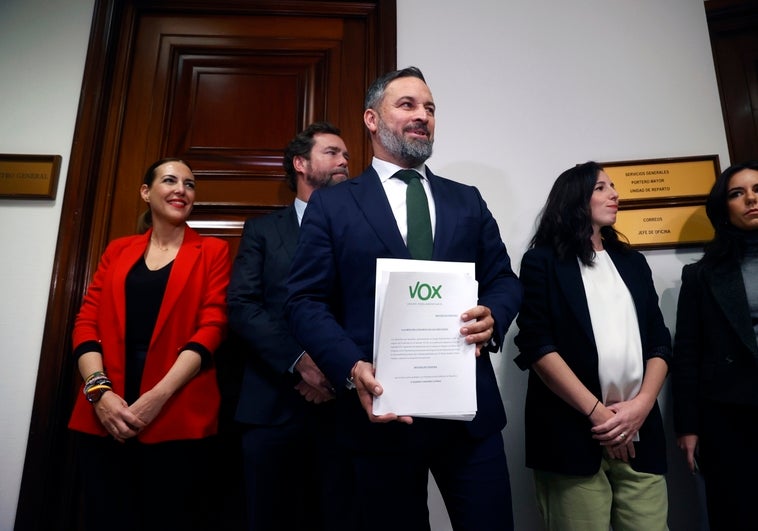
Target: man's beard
<point>324,179</point>
<point>411,151</point>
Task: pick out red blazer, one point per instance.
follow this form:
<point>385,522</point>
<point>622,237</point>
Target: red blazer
<point>193,310</point>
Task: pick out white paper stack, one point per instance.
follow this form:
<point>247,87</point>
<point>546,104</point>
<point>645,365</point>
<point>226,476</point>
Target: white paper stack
<point>422,361</point>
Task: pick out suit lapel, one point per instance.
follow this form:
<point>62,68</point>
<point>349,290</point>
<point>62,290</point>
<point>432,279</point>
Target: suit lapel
<point>179,279</point>
<point>288,230</point>
<point>632,279</point>
<point>728,290</point>
<point>129,256</point>
<point>572,285</point>
<point>570,280</point>
<point>447,206</point>
<point>372,202</point>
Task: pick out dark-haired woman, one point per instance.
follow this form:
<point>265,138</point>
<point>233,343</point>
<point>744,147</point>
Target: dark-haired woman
<point>593,338</point>
<point>144,337</point>
<point>715,367</point>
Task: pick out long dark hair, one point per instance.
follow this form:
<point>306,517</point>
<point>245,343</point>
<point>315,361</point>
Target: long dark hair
<point>728,243</point>
<point>565,223</point>
<point>145,220</point>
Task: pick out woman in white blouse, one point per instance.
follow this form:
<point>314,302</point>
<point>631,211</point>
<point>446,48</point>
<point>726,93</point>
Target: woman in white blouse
<point>593,338</point>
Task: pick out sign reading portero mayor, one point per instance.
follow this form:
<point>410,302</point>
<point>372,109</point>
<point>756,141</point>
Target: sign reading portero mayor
<point>664,179</point>
<point>662,201</point>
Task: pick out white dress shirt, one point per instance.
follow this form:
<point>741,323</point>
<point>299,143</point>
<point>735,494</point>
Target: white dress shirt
<point>395,191</point>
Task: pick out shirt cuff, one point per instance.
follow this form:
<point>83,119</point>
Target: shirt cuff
<point>292,367</point>
<point>206,359</point>
<point>87,346</point>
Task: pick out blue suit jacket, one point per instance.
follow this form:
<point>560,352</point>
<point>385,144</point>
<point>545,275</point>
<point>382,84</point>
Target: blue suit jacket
<point>332,283</point>
<point>555,317</point>
<point>256,296</point>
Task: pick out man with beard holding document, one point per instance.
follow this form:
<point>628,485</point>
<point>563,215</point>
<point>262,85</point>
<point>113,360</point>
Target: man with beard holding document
<point>331,313</point>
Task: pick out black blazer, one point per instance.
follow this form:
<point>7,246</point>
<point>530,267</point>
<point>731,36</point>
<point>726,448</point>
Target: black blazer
<point>555,317</point>
<point>715,349</point>
<point>255,299</point>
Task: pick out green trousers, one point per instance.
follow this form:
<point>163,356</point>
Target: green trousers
<point>617,497</point>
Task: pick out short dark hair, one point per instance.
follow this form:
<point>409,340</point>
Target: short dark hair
<point>566,219</point>
<point>728,241</point>
<point>375,92</point>
<point>301,146</point>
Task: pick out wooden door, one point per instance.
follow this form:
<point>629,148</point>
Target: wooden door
<point>226,93</point>
<point>733,28</point>
<point>222,84</point>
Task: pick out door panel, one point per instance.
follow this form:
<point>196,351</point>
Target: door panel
<point>226,94</point>
<point>733,28</point>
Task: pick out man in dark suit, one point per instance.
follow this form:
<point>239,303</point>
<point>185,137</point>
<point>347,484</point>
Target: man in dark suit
<point>331,312</point>
<point>284,398</point>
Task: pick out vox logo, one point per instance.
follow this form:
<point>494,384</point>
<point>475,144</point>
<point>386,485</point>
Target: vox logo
<point>425,292</point>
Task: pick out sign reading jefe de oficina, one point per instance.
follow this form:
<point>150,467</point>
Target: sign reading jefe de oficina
<point>662,201</point>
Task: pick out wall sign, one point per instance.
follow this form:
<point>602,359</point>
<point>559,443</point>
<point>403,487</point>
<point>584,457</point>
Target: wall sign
<point>29,176</point>
<point>662,201</point>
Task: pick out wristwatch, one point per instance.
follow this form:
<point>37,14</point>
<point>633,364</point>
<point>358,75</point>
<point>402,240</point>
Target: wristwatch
<point>94,394</point>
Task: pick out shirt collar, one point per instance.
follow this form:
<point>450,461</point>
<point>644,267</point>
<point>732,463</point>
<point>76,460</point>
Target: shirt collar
<point>385,169</point>
<point>300,209</point>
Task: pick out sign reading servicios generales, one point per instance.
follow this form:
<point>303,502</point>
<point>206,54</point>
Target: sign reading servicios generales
<point>662,201</point>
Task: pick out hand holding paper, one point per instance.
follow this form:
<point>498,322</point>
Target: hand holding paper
<point>368,388</point>
<point>480,325</point>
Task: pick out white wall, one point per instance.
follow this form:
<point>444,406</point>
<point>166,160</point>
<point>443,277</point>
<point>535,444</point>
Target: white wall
<point>524,90</point>
<point>42,51</point>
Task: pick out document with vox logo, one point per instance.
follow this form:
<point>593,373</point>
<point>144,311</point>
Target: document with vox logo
<point>421,359</point>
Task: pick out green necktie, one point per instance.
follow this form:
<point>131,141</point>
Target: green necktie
<point>419,224</point>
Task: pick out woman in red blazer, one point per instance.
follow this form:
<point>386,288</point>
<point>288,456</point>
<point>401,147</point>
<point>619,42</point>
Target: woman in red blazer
<point>152,317</point>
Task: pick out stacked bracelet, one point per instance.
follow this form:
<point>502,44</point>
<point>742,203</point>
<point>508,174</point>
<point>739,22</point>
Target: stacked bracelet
<point>94,375</point>
<point>96,385</point>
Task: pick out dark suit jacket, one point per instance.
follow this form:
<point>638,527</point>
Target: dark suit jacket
<point>193,311</point>
<point>332,283</point>
<point>715,350</point>
<point>256,296</point>
<point>555,318</point>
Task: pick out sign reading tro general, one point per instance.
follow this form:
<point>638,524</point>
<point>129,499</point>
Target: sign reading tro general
<point>29,176</point>
<point>662,201</point>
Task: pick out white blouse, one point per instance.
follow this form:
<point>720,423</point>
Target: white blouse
<point>616,330</point>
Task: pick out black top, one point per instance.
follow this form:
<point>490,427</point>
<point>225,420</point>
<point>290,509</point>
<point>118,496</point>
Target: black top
<point>144,294</point>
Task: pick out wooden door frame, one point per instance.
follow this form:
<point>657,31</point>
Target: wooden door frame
<point>727,19</point>
<point>46,500</point>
